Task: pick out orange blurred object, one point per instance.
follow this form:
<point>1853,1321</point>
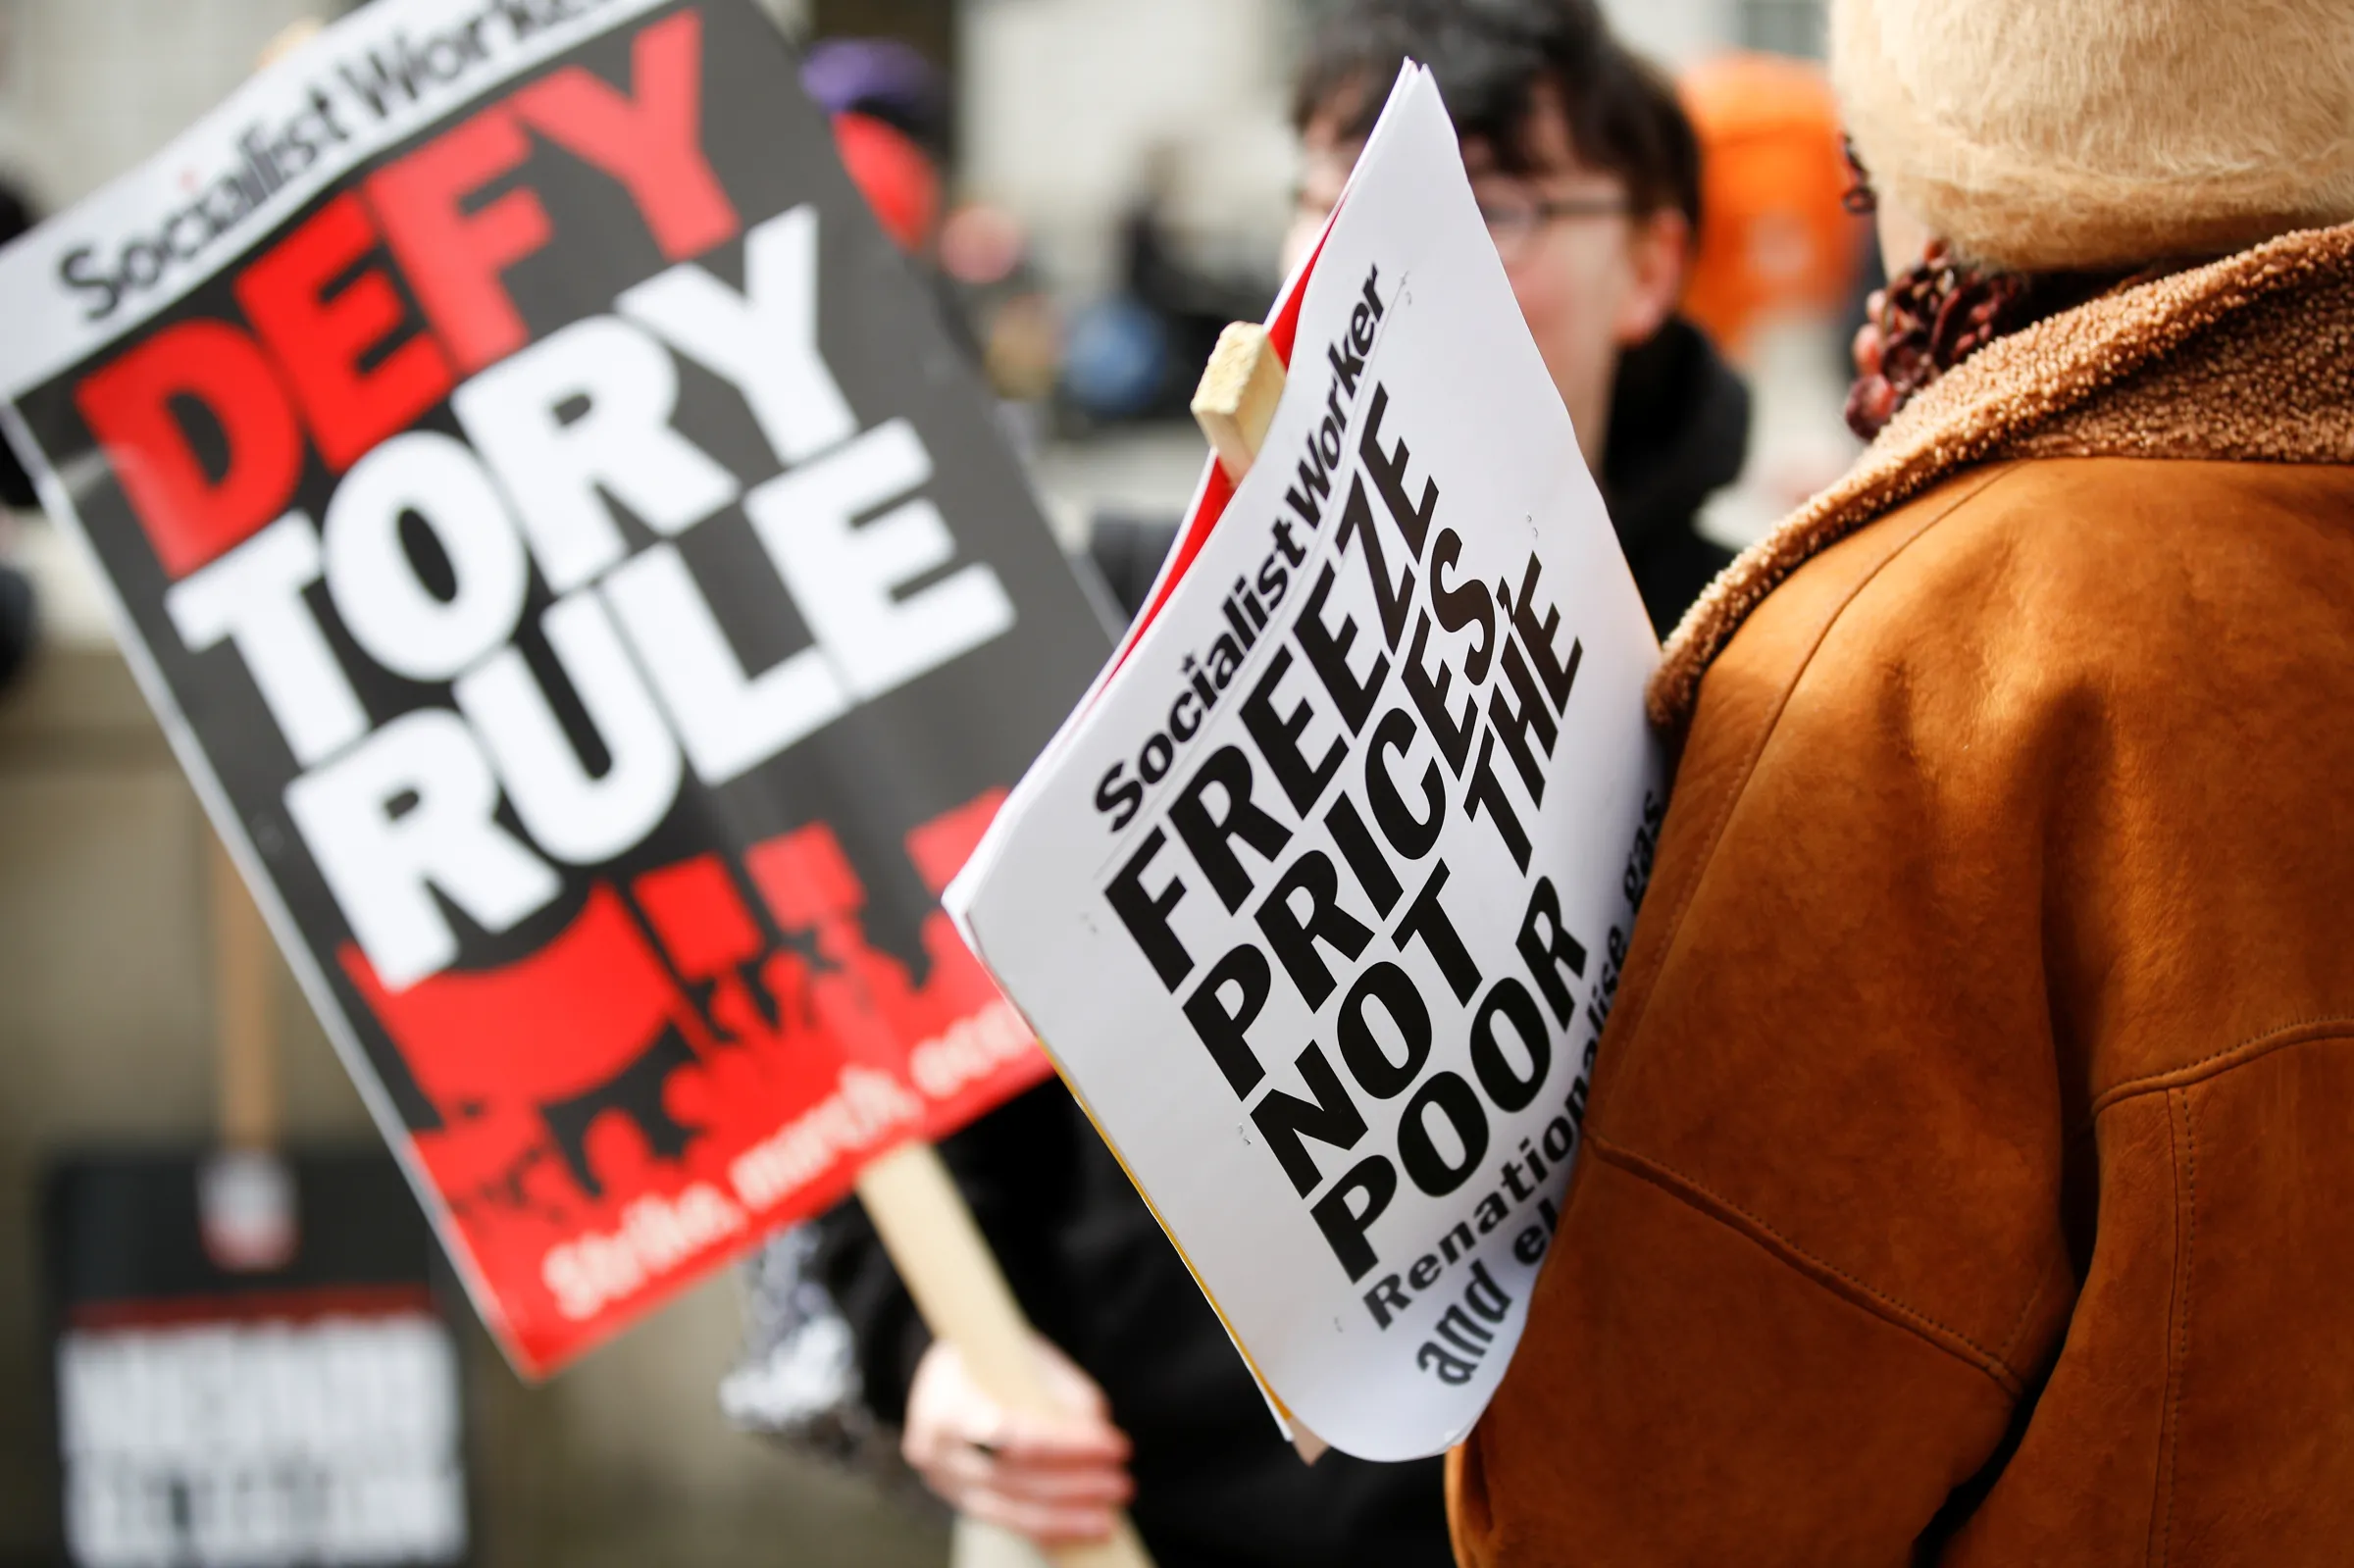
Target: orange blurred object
<point>1774,238</point>
<point>896,177</point>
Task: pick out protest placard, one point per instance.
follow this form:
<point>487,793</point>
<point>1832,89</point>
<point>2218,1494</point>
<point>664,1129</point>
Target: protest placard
<point>213,1412</point>
<point>588,589</point>
<point>1319,898</point>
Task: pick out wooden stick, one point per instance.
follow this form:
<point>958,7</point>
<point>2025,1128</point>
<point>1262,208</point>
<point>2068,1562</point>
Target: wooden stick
<point>1234,405</point>
<point>244,1019</point>
<point>930,1232</point>
<point>292,36</point>
<point>1235,402</point>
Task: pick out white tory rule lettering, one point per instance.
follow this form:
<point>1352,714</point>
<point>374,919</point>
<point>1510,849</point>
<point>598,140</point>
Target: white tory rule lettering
<point>555,436</point>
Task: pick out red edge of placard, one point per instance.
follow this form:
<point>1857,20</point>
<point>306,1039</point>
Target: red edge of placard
<point>1282,331</point>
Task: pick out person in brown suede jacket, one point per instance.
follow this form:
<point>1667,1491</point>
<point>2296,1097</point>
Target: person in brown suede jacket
<point>1971,1178</point>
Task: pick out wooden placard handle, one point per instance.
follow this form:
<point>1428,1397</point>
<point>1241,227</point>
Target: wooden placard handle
<point>1234,405</point>
<point>1235,402</point>
<point>244,1015</point>
<point>935,1243</point>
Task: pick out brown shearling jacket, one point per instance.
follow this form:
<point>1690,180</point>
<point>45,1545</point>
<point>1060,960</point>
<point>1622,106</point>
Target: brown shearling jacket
<point>1971,1170</point>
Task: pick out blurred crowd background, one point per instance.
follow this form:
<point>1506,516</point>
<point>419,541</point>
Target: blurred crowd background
<point>1096,185</point>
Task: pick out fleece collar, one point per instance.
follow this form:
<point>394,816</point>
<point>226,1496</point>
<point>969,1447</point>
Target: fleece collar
<point>2248,358</point>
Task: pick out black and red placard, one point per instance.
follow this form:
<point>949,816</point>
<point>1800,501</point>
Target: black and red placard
<point>589,591</point>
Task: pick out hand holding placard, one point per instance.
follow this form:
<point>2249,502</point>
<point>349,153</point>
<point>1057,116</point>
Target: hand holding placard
<point>962,1293</point>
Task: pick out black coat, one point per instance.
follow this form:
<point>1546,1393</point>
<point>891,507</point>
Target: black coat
<point>1215,1484</point>
<point>1679,432</point>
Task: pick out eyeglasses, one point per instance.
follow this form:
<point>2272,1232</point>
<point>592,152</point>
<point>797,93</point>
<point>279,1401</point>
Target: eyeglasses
<point>1859,197</point>
<point>1515,222</point>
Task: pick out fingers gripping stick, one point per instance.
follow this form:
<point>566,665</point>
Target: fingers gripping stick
<point>929,1231</point>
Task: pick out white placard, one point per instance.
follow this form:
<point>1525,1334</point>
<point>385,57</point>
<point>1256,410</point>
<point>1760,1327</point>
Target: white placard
<point>1319,901</point>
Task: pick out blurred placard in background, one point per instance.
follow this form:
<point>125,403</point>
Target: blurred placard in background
<point>210,1413</point>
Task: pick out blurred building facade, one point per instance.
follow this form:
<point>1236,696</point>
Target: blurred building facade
<point>1068,107</point>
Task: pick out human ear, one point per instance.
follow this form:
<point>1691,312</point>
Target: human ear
<point>1659,251</point>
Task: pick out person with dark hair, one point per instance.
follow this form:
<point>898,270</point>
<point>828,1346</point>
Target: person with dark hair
<point>1589,176</point>
<point>1588,173</point>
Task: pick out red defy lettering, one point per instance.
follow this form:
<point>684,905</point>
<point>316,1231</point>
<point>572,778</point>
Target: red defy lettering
<point>652,143</point>
<point>192,517</point>
<point>320,338</point>
<point>453,258</point>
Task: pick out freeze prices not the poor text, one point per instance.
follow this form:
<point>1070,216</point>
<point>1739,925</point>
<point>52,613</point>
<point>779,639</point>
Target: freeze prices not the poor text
<point>1364,690</point>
